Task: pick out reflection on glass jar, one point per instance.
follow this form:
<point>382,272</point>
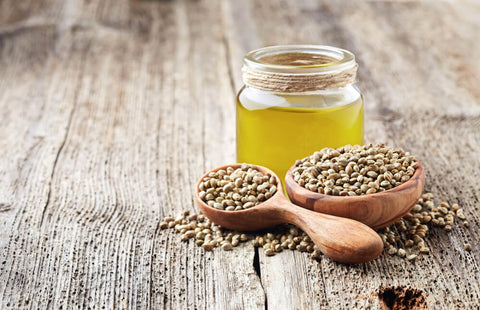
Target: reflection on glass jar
<point>296,100</point>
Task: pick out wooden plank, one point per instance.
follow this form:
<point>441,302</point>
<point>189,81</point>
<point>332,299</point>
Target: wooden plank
<point>35,120</point>
<point>111,110</point>
<point>412,94</point>
<point>136,140</point>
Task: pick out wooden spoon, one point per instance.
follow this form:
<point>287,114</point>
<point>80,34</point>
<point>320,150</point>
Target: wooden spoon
<point>375,210</point>
<point>343,240</point>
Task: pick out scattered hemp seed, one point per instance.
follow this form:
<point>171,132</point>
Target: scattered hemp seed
<point>316,254</point>
<point>227,246</point>
<point>424,250</point>
<point>269,252</point>
<point>206,234</point>
<point>460,214</point>
<point>285,237</point>
<point>237,189</point>
<point>354,170</point>
<point>412,257</point>
<point>392,250</point>
<point>402,253</point>
<point>406,237</point>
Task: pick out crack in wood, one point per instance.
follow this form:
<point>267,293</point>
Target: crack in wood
<point>64,140</point>
<point>256,267</point>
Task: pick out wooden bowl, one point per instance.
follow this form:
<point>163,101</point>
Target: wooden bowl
<point>375,210</point>
<point>244,220</point>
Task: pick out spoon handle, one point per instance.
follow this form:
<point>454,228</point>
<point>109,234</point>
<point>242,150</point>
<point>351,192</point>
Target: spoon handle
<point>343,240</point>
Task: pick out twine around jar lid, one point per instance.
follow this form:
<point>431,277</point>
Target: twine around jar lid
<point>299,68</point>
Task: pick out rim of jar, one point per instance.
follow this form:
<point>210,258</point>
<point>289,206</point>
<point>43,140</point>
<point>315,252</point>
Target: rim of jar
<point>343,59</point>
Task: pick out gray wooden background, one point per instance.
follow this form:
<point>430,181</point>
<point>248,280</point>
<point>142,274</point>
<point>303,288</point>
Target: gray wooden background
<point>111,110</point>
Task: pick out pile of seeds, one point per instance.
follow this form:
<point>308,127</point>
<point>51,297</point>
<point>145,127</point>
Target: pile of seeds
<point>354,170</point>
<point>286,237</point>
<point>405,238</point>
<point>237,189</point>
<point>208,235</point>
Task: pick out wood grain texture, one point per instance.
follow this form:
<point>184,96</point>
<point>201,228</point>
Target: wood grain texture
<point>111,110</point>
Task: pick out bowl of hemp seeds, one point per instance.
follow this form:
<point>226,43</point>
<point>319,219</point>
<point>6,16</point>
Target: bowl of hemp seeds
<point>373,183</point>
<point>233,195</point>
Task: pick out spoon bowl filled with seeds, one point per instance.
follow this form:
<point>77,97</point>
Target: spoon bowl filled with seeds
<point>249,197</point>
<point>373,184</point>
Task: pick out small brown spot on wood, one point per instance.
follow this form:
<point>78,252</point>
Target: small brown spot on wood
<point>402,298</point>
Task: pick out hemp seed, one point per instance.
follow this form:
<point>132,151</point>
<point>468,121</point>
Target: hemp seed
<point>237,189</point>
<point>227,246</point>
<point>412,229</point>
<point>358,170</point>
<point>412,257</point>
<point>269,252</point>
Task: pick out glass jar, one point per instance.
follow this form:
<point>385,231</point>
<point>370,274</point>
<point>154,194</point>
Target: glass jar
<point>297,99</point>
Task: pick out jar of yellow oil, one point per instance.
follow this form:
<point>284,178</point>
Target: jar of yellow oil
<point>297,99</point>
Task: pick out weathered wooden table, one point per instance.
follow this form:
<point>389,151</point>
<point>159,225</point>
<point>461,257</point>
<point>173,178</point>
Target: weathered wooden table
<point>111,110</point>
